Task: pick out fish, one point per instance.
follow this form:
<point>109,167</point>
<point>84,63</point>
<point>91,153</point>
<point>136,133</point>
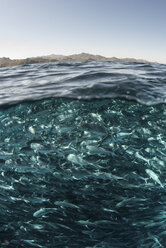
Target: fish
<point>32,243</point>
<point>31,130</point>
<point>154,176</point>
<point>97,150</point>
<point>36,146</point>
<point>142,158</point>
<point>43,211</point>
<point>76,159</point>
<point>106,175</point>
<point>65,204</point>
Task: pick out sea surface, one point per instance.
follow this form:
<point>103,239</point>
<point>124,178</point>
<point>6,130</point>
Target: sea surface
<point>83,155</point>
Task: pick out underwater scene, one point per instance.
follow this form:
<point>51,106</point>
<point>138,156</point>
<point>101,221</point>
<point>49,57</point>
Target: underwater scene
<point>83,155</point>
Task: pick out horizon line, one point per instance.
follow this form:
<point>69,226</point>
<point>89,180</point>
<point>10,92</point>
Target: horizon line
<point>81,53</point>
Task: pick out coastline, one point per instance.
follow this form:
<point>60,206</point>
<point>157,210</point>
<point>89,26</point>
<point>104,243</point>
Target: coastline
<point>7,62</point>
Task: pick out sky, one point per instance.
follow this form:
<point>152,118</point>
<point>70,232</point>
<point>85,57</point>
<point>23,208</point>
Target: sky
<point>120,28</point>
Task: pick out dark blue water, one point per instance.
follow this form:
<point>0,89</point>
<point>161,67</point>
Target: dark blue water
<point>83,155</point>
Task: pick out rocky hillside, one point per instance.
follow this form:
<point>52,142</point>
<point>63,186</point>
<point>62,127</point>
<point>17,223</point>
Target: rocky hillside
<point>55,58</point>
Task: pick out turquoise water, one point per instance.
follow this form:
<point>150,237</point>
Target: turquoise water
<point>83,172</point>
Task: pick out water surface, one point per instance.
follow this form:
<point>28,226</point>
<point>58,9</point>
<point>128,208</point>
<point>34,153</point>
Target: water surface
<point>84,166</point>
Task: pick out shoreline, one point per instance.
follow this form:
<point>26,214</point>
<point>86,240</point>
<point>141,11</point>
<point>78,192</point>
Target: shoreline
<point>7,62</point>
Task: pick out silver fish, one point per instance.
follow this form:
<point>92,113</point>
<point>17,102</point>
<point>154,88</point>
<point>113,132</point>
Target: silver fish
<point>154,176</point>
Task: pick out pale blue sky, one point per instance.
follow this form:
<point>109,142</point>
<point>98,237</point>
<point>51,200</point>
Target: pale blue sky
<point>121,28</point>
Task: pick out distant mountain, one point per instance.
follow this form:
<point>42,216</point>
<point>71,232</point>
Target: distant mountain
<point>4,60</point>
<point>52,56</point>
<point>85,56</point>
<point>55,58</point>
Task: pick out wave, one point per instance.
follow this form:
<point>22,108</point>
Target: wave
<point>141,82</point>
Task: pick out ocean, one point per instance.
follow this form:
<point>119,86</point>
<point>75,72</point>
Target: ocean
<point>83,155</point>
